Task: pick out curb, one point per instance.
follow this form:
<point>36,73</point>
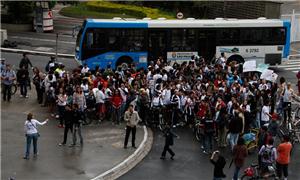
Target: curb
<point>42,53</point>
<point>131,161</point>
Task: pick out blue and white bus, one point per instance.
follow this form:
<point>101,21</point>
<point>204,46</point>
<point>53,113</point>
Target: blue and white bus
<point>116,41</point>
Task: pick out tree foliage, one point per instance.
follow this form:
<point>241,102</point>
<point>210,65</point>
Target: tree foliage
<point>19,11</point>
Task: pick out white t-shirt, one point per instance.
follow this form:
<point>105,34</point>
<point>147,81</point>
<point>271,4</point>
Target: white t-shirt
<point>30,127</point>
<point>166,96</point>
<point>264,113</point>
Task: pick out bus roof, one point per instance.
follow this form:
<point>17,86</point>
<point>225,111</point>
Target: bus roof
<point>190,23</point>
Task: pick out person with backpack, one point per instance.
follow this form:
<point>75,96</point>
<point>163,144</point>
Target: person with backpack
<point>219,163</point>
<point>268,155</point>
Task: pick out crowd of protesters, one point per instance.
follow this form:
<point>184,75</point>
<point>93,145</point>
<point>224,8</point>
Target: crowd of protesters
<point>225,100</point>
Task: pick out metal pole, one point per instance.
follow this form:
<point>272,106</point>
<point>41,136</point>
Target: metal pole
<point>56,46</point>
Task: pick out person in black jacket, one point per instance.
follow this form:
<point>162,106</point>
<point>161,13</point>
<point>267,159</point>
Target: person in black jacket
<point>77,124</point>
<point>25,62</point>
<point>22,78</point>
<point>68,120</point>
<point>235,127</point>
<point>219,162</point>
<point>169,141</point>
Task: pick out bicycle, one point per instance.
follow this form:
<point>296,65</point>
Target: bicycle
<point>14,88</point>
<point>253,172</point>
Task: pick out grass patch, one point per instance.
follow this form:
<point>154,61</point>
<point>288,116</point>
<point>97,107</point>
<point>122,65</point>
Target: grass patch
<point>108,10</point>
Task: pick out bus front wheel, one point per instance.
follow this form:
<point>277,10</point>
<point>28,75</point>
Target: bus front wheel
<point>124,62</point>
<point>239,59</point>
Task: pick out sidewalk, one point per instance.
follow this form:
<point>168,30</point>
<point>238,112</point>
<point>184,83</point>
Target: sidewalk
<point>102,150</point>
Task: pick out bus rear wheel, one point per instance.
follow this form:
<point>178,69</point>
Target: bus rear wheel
<point>124,62</point>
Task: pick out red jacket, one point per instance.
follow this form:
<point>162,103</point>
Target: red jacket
<point>116,101</point>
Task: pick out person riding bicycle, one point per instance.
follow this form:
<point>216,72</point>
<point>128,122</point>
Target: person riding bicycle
<point>268,156</point>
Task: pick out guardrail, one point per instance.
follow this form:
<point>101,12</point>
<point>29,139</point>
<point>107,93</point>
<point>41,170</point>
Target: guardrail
<point>42,53</point>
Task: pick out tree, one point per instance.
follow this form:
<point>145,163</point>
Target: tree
<point>20,11</point>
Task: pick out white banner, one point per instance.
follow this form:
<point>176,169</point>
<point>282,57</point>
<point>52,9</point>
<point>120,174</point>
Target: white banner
<point>180,56</point>
<point>249,66</point>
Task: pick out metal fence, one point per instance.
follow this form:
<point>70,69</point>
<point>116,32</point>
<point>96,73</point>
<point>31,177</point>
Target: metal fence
<point>295,25</point>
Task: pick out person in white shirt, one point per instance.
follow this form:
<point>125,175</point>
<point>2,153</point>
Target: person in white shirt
<point>32,134</point>
<point>85,69</point>
<point>166,95</point>
<point>100,100</point>
<point>265,114</point>
<point>61,104</point>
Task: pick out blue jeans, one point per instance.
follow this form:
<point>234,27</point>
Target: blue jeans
<point>29,138</point>
<point>23,88</point>
<point>233,138</point>
<point>208,142</point>
<point>217,178</point>
<point>236,173</point>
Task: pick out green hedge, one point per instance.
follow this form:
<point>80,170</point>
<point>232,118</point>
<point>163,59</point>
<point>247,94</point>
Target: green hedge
<point>103,9</point>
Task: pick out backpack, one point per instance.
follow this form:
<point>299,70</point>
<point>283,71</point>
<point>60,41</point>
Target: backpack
<point>267,153</point>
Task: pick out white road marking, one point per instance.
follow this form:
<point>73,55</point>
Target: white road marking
<point>290,65</point>
<point>295,71</point>
<point>38,39</point>
<point>43,49</point>
<point>292,68</point>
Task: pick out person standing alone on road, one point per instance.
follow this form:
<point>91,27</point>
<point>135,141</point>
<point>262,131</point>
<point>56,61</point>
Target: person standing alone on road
<point>132,118</point>
<point>169,135</point>
<point>68,120</point>
<point>219,162</point>
<point>32,134</point>
<point>77,124</point>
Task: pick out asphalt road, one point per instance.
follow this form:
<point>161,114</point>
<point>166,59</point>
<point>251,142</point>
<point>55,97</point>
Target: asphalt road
<point>102,150</point>
<point>190,163</point>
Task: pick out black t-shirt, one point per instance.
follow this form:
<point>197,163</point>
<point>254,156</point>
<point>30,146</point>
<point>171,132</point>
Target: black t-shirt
<point>219,165</point>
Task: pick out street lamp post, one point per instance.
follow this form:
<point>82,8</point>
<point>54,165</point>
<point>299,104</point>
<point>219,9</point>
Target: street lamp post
<point>56,47</point>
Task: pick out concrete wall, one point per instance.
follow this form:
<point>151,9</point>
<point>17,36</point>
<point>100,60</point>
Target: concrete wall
<point>16,27</point>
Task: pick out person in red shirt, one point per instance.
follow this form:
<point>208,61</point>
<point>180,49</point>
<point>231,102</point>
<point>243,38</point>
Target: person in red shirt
<point>116,101</point>
<point>283,157</point>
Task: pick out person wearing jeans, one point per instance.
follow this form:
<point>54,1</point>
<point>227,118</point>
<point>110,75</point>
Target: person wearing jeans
<point>32,134</point>
<point>7,78</point>
<point>77,124</point>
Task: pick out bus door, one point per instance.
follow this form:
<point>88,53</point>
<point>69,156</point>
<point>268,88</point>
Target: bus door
<point>207,44</point>
<point>157,44</point>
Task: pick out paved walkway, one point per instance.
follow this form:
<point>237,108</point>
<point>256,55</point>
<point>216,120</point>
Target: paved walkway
<point>102,150</point>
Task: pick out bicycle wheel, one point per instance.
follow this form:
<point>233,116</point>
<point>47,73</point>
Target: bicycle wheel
<point>198,134</point>
<point>14,89</point>
<point>297,114</point>
<point>162,123</point>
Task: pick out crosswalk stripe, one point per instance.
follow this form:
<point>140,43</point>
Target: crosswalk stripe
<point>295,71</point>
<point>290,65</point>
<point>292,68</point>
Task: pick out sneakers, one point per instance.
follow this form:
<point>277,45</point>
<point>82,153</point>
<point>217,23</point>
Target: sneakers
<point>57,116</point>
<point>21,96</point>
<point>26,96</point>
<point>60,126</point>
<point>163,157</point>
<point>205,152</point>
<point>52,115</point>
<point>62,144</point>
<point>26,157</point>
